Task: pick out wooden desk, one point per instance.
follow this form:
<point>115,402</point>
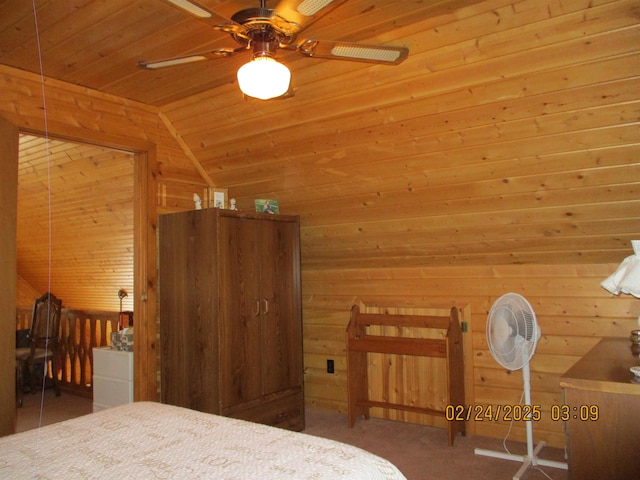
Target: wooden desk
<point>608,447</point>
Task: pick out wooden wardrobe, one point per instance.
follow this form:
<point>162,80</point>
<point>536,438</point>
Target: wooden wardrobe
<point>231,315</point>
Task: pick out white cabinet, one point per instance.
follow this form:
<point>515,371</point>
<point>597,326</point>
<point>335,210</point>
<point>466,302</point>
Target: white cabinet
<point>112,378</point>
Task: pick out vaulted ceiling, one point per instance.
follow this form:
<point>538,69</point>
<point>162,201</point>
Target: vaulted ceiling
<point>75,200</point>
<point>98,44</point>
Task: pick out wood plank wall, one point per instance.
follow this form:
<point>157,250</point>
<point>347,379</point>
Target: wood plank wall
<point>92,253</point>
<point>83,115</point>
<point>501,156</point>
<point>25,294</point>
<point>75,231</point>
<point>572,309</point>
<point>80,114</point>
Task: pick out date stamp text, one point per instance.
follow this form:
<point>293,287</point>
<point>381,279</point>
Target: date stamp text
<point>518,413</point>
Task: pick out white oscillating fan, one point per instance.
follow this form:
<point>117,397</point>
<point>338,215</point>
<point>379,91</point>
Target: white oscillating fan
<point>513,334</point>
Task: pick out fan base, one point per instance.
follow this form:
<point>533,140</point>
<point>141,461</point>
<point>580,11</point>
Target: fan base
<point>526,460</point>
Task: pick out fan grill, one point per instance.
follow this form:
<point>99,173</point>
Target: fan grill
<point>512,331</point>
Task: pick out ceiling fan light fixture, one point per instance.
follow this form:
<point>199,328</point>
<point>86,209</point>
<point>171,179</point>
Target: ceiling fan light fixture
<point>264,78</point>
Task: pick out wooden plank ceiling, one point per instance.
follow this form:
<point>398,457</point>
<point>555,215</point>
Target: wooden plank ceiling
<point>98,44</point>
<point>75,222</point>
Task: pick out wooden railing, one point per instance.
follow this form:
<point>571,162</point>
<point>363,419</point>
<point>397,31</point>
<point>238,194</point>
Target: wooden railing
<point>80,332</point>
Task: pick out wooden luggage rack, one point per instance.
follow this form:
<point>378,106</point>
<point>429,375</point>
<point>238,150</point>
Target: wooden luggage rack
<point>360,343</point>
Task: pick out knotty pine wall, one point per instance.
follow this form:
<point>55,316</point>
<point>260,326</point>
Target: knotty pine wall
<point>83,115</point>
<point>25,294</point>
<point>79,114</point>
<point>572,309</point>
<point>502,155</point>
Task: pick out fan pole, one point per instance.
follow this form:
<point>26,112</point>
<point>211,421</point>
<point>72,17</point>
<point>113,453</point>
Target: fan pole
<point>531,458</point>
<point>526,379</point>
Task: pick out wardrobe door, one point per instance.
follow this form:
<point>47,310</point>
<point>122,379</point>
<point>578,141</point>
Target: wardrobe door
<point>188,310</point>
<point>240,310</point>
<point>280,307</point>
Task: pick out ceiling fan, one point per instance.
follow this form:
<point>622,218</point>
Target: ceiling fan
<point>265,30</point>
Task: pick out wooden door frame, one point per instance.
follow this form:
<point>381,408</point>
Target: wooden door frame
<point>8,270</point>
<point>145,258</point>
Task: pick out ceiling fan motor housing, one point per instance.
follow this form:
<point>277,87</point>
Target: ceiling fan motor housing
<point>264,43</point>
<point>260,29</point>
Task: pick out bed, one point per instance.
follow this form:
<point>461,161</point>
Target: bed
<point>147,440</point>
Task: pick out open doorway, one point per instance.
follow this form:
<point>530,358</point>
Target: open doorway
<point>75,238</point>
<point>145,258</point>
<point>75,223</point>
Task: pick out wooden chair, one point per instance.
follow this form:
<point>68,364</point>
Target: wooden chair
<point>44,338</point>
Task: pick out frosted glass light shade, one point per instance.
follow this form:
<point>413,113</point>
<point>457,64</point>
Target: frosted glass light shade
<point>264,78</point>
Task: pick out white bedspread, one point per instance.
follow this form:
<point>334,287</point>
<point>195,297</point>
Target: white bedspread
<point>148,440</point>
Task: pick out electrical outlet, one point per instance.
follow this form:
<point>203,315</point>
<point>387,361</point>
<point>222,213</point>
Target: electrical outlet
<point>330,368</point>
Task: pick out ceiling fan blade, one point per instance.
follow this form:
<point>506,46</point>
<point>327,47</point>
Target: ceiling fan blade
<point>196,57</point>
<point>215,18</point>
<point>191,7</point>
<point>358,52</point>
<point>291,16</point>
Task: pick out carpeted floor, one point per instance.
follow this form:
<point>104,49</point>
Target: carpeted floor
<point>54,409</point>
<point>421,453</point>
